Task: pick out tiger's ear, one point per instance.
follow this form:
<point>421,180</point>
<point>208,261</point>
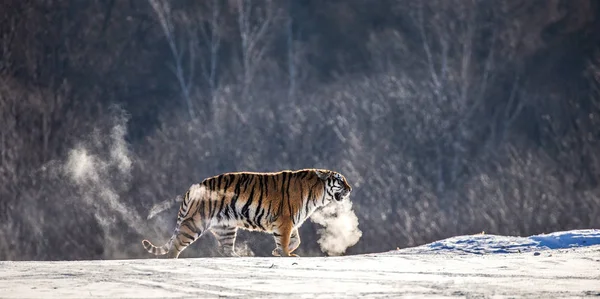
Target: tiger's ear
<point>323,175</point>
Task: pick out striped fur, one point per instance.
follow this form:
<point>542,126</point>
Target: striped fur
<point>276,203</point>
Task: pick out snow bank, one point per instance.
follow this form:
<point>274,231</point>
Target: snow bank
<point>487,244</point>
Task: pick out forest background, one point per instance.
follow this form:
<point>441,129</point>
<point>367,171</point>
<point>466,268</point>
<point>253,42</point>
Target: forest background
<point>448,117</point>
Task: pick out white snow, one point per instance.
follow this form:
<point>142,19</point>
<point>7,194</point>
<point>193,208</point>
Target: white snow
<point>561,264</point>
<point>482,243</point>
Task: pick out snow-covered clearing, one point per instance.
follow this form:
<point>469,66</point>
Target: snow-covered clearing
<point>563,264</point>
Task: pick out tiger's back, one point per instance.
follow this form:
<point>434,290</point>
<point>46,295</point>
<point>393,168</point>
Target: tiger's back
<point>276,203</point>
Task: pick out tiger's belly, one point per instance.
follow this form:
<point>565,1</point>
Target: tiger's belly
<point>245,223</point>
<point>264,225</point>
<point>249,219</point>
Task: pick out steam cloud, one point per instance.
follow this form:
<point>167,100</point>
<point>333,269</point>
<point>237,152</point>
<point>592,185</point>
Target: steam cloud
<point>340,227</point>
<point>100,169</point>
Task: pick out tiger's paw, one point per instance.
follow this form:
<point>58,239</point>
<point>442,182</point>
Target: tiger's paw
<point>276,252</point>
<point>228,253</point>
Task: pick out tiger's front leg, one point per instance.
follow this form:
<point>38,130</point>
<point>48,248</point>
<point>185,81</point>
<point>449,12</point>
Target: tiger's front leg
<point>293,243</point>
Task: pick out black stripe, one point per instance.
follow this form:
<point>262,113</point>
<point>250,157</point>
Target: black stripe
<point>242,180</point>
<point>212,208</point>
<point>189,225</point>
<point>301,192</point>
<point>219,179</point>
<point>219,215</point>
<point>187,243</point>
<point>228,182</point>
<point>269,211</point>
<point>228,234</point>
<point>260,210</point>
<point>226,213</point>
<point>304,174</point>
<point>308,202</point>
<point>276,234</point>
<point>260,198</point>
<point>235,197</point>
<point>265,185</point>
<point>329,193</point>
<point>210,199</point>
<point>209,209</point>
<point>250,180</point>
<point>185,199</point>
<point>259,218</point>
<point>245,208</point>
<point>287,190</point>
<point>201,208</point>
<point>282,194</point>
<point>249,223</point>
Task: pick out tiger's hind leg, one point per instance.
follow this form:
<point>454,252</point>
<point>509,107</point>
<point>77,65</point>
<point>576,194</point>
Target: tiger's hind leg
<point>226,237</point>
<point>189,231</point>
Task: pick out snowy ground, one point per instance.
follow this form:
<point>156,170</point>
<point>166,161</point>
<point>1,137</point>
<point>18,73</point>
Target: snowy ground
<point>564,264</point>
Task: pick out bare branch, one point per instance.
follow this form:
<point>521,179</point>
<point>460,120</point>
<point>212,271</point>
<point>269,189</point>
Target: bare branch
<point>253,30</point>
<point>430,62</point>
<point>163,13</point>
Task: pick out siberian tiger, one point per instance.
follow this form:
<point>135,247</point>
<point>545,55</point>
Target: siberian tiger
<point>276,203</point>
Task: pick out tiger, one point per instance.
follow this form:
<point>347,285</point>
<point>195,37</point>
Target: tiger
<point>276,203</point>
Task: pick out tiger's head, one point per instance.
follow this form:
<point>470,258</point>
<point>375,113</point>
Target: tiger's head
<point>336,186</point>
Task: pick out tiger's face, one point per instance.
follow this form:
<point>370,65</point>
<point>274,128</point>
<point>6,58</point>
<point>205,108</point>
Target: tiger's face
<point>336,185</point>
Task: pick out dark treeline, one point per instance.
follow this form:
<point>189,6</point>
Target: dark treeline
<point>447,116</point>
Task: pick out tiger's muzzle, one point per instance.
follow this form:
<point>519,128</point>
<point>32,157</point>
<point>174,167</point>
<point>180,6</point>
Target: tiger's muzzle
<point>341,195</point>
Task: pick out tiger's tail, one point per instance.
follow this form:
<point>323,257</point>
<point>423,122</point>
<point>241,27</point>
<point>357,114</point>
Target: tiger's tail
<point>156,250</point>
<point>166,248</point>
<point>157,208</point>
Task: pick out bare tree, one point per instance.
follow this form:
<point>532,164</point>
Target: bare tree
<point>164,14</point>
<point>254,22</point>
<point>291,52</point>
<point>205,38</point>
<point>212,34</point>
<point>454,38</point>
